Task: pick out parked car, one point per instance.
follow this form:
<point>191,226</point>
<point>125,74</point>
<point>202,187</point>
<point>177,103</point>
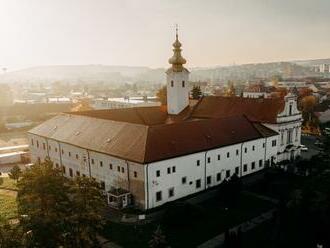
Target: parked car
<point>303,148</point>
<point>318,143</point>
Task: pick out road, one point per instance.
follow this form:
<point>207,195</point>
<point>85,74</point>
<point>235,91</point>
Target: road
<point>309,141</point>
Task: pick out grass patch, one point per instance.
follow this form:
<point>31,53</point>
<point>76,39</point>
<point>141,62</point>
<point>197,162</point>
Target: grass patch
<point>8,206</point>
<point>214,220</point>
<point>7,183</point>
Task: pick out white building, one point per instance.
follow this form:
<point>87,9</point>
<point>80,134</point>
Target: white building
<point>152,155</point>
<point>125,102</point>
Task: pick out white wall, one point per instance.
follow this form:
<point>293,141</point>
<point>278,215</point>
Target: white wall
<point>186,166</point>
<point>177,96</point>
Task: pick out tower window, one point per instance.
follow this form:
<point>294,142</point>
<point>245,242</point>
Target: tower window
<point>172,83</point>
<point>183,84</point>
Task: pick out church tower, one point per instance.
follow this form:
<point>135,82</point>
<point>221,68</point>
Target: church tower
<point>177,81</point>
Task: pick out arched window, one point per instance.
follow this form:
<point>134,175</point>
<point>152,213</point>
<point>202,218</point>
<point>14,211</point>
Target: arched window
<point>172,83</point>
<point>183,84</point>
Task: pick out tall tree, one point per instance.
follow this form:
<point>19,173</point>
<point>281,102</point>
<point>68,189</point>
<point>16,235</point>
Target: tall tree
<point>196,92</point>
<point>15,173</point>
<point>87,210</point>
<point>43,203</point>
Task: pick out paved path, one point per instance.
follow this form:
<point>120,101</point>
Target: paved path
<point>218,241</point>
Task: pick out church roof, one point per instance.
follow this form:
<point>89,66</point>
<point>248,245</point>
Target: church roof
<point>130,139</point>
<point>263,110</point>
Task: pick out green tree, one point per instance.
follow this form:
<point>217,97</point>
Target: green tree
<point>158,239</point>
<point>59,211</point>
<point>15,173</point>
<point>162,95</point>
<point>11,236</point>
<point>43,204</point>
<point>87,210</point>
<point>196,92</point>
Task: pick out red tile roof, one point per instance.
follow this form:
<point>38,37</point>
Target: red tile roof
<point>149,134</point>
<point>257,109</point>
<point>145,144</point>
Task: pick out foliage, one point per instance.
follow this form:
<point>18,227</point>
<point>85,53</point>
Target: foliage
<point>158,239</point>
<point>12,236</point>
<point>162,95</point>
<point>15,173</point>
<point>87,208</point>
<point>196,92</point>
<point>58,211</point>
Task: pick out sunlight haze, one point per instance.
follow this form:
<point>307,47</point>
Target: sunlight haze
<point>140,33</point>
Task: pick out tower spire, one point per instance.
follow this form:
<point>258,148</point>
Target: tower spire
<point>177,60</point>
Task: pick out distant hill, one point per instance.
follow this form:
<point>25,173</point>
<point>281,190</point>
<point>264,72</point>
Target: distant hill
<point>134,74</point>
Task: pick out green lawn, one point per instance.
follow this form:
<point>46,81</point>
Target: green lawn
<point>7,183</point>
<point>214,220</point>
<point>8,206</point>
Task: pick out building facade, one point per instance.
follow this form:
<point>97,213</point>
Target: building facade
<point>149,156</point>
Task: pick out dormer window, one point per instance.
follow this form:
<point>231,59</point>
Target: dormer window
<point>172,83</point>
<point>183,84</point>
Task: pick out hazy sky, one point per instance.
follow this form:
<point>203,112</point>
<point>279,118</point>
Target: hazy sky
<point>140,32</point>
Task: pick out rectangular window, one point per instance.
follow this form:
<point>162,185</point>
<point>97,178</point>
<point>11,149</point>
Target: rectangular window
<point>55,149</point>
<point>208,160</point>
<point>70,156</point>
<point>110,166</point>
<point>237,152</point>
<point>260,163</point>
<point>273,143</point>
<point>198,183</point>
<point>173,169</point>
<point>237,170</point>
<point>219,157</point>
<point>37,143</point>
<point>101,163</point>
<point>118,168</point>
<point>184,180</point>
<point>263,145</point>
<point>78,173</point>
<point>253,165</point>
<point>168,170</point>
<point>245,168</point>
<point>218,176</point>
<point>227,173</point>
<point>62,151</point>
<point>253,148</point>
<point>158,173</point>
<point>83,175</point>
<point>183,84</point>
<point>170,192</point>
<point>92,160</point>
<point>63,169</point>
<point>70,172</point>
<point>77,156</point>
<point>208,180</point>
<point>245,150</point>
<point>56,165</point>
<point>172,83</point>
<point>122,170</point>
<point>158,196</point>
<point>135,174</point>
<point>32,142</point>
<point>228,154</point>
<point>49,148</point>
<point>198,162</point>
